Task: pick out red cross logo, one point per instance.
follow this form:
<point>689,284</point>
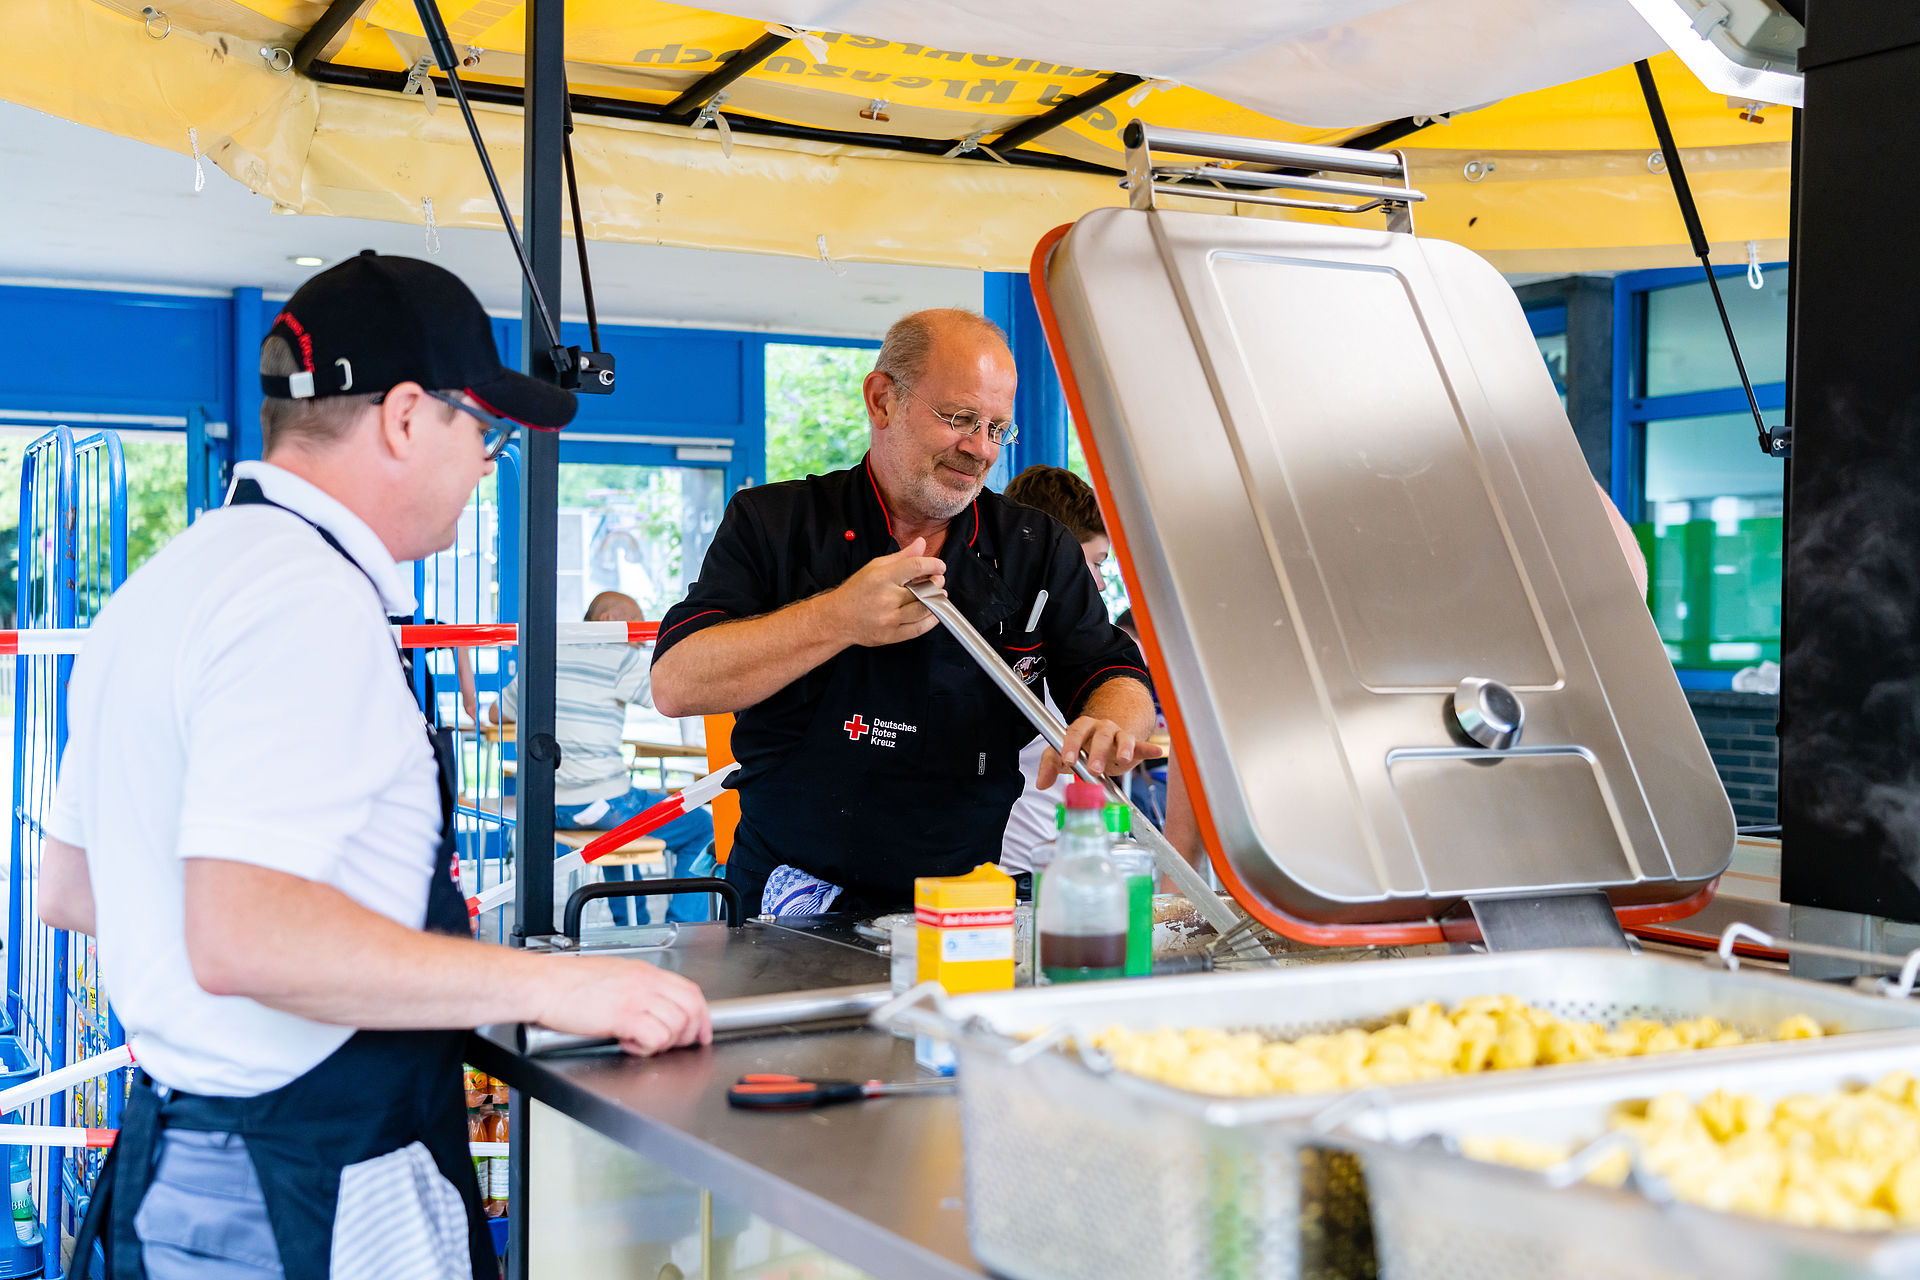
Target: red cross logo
<point>855,727</point>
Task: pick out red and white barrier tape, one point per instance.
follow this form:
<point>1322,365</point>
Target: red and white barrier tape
<point>99,1064</point>
<point>481,635</point>
<point>690,798</point>
<point>51,1135</point>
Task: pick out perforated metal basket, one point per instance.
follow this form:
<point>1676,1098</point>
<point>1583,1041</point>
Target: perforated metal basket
<point>1078,1172</point>
<point>1439,1216</point>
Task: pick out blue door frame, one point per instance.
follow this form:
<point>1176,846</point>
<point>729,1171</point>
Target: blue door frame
<point>1633,409</point>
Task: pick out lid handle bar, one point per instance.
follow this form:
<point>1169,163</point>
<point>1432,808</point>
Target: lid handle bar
<point>1295,165</point>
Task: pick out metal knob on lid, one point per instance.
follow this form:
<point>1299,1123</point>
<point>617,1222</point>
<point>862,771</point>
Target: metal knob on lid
<point>1488,713</point>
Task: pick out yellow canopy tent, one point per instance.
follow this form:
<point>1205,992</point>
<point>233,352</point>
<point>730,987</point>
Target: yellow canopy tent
<point>871,148</point>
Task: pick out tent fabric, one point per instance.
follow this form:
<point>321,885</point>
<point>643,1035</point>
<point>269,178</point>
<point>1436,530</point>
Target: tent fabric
<point>1321,63</point>
<point>1563,177</point>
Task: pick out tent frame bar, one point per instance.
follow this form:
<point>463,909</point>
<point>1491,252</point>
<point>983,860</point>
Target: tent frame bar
<point>685,109</point>
<point>657,113</point>
<point>337,15</point>
<point>1061,112</point>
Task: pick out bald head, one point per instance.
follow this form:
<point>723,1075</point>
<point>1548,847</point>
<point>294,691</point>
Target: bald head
<point>614,606</point>
<point>912,341</point>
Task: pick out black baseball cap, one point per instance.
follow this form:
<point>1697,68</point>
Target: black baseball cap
<point>374,321</point>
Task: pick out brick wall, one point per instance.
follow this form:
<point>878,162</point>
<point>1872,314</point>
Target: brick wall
<point>1739,729</point>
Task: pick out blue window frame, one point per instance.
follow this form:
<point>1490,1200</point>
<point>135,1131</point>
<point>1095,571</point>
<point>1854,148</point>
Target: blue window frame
<point>1689,474</point>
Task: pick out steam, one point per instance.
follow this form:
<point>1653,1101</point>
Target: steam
<point>1851,695</point>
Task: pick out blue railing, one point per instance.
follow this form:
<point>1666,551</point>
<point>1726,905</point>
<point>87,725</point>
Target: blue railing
<point>72,557</point>
<point>466,584</point>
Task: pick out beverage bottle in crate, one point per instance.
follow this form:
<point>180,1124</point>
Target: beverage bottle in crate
<point>1082,913</point>
<point>1136,864</point>
<point>495,1205</point>
<point>482,1165</point>
<point>26,1218</point>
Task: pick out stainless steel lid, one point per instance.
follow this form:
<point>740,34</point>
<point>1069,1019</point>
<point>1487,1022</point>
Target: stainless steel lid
<point>1405,652</point>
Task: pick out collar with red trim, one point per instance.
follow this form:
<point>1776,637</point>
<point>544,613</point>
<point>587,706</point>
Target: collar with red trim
<point>870,497</point>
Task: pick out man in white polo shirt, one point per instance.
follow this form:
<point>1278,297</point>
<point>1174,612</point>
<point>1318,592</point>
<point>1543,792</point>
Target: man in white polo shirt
<point>250,819</point>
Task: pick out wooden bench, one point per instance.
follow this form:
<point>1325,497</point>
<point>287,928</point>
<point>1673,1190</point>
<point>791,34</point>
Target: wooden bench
<point>649,853</point>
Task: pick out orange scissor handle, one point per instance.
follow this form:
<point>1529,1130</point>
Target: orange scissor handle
<point>791,1093</point>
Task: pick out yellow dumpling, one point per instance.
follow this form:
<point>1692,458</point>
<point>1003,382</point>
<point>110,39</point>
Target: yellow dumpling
<point>1798,1027</point>
<point>1481,1033</point>
<point>1845,1160</point>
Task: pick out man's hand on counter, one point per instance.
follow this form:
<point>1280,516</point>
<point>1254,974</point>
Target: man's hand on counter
<point>647,1009</point>
<point>874,606</point>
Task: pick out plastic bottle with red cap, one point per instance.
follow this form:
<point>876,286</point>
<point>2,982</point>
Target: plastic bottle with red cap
<point>1081,912</point>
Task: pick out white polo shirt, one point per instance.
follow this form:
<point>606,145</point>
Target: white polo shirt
<point>240,698</point>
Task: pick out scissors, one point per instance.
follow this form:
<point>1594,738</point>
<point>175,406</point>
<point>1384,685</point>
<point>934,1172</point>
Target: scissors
<point>800,1093</point>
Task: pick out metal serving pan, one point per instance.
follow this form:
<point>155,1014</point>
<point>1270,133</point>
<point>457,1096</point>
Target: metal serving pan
<point>1343,485</point>
<point>1078,1172</point>
<point>1441,1215</point>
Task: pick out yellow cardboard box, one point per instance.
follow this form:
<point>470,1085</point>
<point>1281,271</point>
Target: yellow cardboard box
<point>966,930</point>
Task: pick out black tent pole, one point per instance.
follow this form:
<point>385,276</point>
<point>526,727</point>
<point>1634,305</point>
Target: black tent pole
<point>542,211</point>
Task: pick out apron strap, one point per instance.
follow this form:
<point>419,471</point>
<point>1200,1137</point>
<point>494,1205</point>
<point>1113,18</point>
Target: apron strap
<point>99,1207</point>
<point>119,1188</point>
<point>446,905</point>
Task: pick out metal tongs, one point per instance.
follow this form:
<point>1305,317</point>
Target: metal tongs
<point>1233,930</point>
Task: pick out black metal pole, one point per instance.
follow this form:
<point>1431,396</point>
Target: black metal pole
<point>1683,193</point>
<point>1026,131</point>
<point>337,15</point>
<point>541,215</point>
<point>511,95</point>
<point>686,108</point>
<point>544,134</point>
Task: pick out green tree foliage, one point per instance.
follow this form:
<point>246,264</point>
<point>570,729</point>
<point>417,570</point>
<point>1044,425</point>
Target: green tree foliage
<point>156,496</point>
<point>816,422</point>
<point>156,506</point>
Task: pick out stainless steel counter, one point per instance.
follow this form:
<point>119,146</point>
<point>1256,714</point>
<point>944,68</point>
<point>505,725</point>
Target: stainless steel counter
<point>877,1183</point>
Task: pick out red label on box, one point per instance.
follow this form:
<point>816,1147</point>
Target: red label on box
<point>936,918</point>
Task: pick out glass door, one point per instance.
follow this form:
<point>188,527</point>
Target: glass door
<point>641,530</point>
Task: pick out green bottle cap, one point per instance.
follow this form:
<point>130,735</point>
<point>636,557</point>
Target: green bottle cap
<point>1059,817</point>
<point>1119,818</point>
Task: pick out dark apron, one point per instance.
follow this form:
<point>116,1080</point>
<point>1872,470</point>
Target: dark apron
<point>377,1093</point>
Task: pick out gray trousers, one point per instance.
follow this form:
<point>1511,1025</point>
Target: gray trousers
<point>204,1217</point>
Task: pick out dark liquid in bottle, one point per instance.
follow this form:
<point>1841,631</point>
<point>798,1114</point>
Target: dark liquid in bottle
<point>1077,957</point>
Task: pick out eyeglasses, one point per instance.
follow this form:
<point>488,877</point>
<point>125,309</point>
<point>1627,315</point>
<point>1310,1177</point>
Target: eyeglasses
<point>500,429</point>
<point>967,422</point>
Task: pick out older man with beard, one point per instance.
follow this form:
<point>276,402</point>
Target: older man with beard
<point>872,749</point>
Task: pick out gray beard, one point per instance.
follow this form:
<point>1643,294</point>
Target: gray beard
<point>937,502</point>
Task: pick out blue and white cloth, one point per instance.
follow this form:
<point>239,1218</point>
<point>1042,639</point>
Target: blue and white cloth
<point>792,892</point>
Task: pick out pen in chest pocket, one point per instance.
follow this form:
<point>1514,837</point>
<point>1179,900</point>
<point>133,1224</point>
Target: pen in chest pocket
<point>1039,603</point>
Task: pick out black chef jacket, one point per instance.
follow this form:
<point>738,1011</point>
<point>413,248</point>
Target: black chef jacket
<point>888,763</point>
